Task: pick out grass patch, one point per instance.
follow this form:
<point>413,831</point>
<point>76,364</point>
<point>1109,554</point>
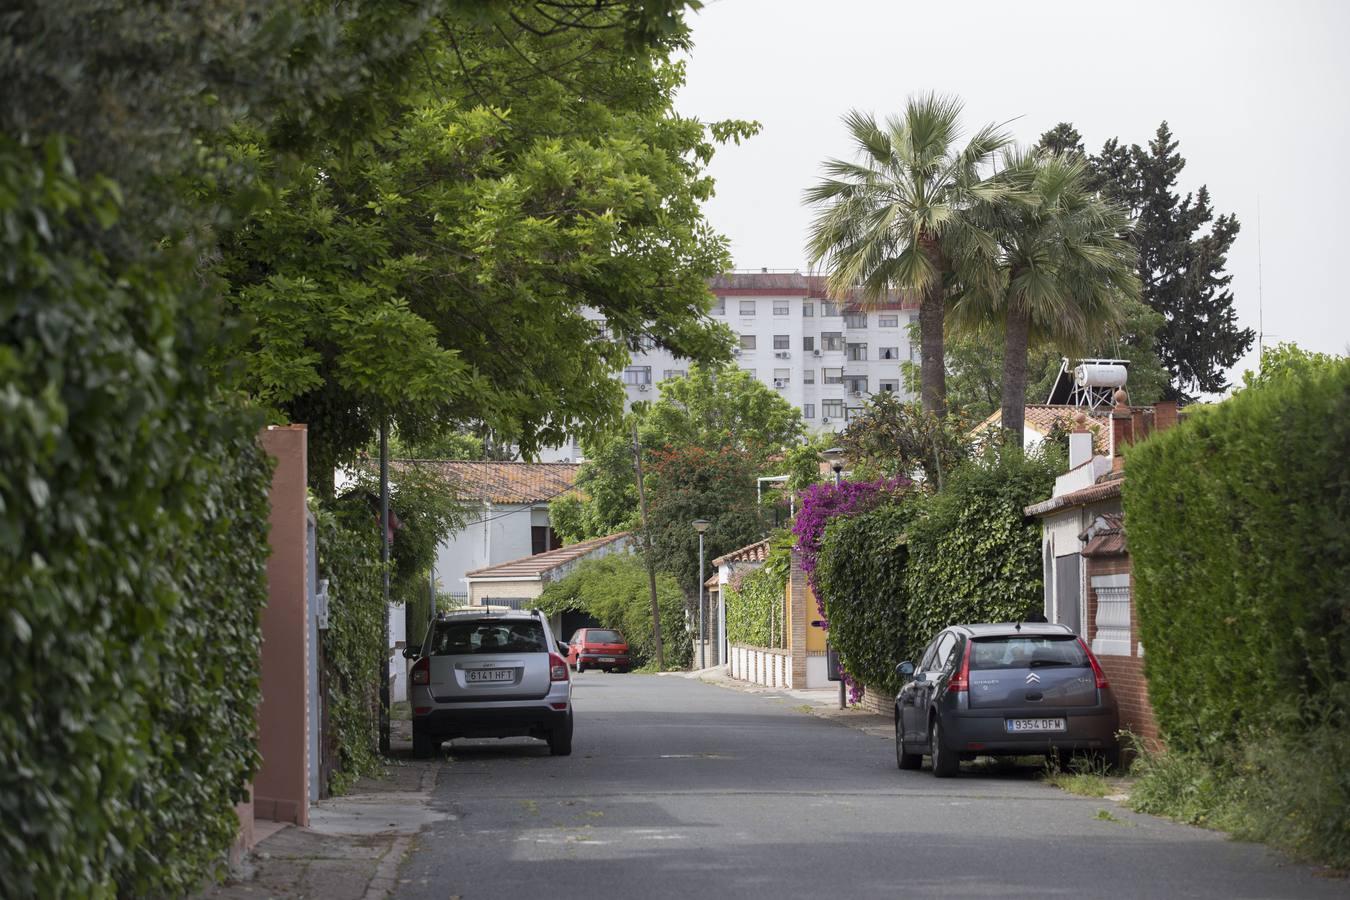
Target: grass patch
<point>1086,776</point>
<point>1104,815</point>
<point>1289,788</point>
<point>400,711</point>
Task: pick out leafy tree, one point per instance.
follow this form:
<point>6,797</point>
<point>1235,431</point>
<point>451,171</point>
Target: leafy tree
<point>606,499</point>
<point>1287,360</point>
<point>1058,271</point>
<point>440,271</point>
<point>1183,250</point>
<point>896,217</point>
<point>894,438</point>
<point>722,407</point>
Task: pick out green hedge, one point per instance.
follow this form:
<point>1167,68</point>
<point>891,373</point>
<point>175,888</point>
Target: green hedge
<point>1239,528</point>
<point>133,529</point>
<point>614,589</point>
<point>892,577</point>
<point>755,610</point>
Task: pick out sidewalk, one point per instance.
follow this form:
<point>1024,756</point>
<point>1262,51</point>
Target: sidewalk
<point>355,843</point>
<point>821,702</point>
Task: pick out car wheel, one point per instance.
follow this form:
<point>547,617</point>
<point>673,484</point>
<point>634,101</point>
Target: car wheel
<point>560,740</point>
<point>580,667</point>
<point>424,745</point>
<point>905,760</point>
<point>945,763</point>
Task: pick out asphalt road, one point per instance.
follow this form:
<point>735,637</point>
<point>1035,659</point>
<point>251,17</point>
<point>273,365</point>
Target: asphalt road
<point>682,789</point>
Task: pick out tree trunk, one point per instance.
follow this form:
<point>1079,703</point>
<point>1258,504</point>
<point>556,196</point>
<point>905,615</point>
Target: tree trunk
<point>932,365</point>
<point>1016,327</point>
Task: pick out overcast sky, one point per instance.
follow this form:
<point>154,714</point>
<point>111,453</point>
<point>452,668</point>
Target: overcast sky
<point>1255,92</point>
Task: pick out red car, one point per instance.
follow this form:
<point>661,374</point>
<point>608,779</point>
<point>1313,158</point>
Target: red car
<point>598,648</point>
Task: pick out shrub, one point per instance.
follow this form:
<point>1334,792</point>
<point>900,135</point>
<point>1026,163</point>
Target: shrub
<point>754,603</point>
<point>133,537</point>
<point>614,590</point>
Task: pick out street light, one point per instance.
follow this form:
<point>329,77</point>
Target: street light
<point>701,525</point>
<point>836,457</point>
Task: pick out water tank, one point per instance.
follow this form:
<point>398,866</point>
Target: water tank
<point>1100,375</point>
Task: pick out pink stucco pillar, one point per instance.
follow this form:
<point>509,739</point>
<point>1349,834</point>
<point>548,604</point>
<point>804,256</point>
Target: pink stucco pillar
<point>281,788</point>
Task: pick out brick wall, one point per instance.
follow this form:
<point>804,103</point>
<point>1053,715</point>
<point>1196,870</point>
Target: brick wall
<point>1126,673</point>
<point>798,615</point>
<point>875,700</point>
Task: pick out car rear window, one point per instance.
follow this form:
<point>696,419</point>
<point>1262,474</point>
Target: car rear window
<point>601,636</point>
<point>1026,651</point>
<point>488,636</point>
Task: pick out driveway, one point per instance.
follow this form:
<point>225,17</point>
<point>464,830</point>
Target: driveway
<point>678,788</point>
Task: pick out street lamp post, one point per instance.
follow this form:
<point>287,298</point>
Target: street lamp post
<point>836,457</point>
<point>701,525</point>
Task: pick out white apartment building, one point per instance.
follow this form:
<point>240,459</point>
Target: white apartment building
<point>824,357</point>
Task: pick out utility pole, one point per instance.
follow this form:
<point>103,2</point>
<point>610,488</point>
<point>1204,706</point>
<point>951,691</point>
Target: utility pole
<point>647,551</point>
<point>384,560</point>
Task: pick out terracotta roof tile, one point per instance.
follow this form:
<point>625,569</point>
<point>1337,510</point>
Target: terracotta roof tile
<point>500,482</point>
<point>1042,418</point>
<point>756,552</point>
<point>1106,488</point>
<point>797,284</point>
<point>530,567</point>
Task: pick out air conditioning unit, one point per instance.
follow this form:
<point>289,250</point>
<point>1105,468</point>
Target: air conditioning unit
<point>824,420</point>
<point>783,354</point>
<point>779,383</point>
<point>735,351</point>
<point>857,393</point>
<point>815,352</point>
<point>644,387</point>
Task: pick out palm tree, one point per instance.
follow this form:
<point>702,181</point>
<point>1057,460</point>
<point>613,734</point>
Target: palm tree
<point>1061,268</point>
<point>894,219</point>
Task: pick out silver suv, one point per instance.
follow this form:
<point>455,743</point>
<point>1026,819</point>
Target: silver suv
<point>491,673</point>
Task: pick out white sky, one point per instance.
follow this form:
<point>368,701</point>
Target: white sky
<point>1255,92</point>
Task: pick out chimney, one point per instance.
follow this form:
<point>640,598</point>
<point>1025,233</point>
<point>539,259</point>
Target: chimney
<point>1164,414</point>
<point>1122,429</point>
<point>1080,442</point>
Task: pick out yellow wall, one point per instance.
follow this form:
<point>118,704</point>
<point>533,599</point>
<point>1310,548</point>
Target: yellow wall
<point>815,637</point>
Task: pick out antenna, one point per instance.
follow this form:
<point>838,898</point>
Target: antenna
<point>1260,293</point>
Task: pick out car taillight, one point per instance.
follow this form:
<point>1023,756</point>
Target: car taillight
<point>557,668</point>
<point>961,680</point>
<point>421,671</point>
<point>1096,666</point>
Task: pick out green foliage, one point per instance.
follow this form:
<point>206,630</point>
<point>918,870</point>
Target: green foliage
<point>614,589</point>
<point>861,582</point>
<point>722,407</point>
<point>754,602</point>
<point>1237,529</point>
<point>133,523</point>
<point>892,437</point>
<point>801,463</point>
<point>606,498</point>
<point>693,483</point>
<point>973,556</point>
<point>442,270</point>
<point>1287,360</point>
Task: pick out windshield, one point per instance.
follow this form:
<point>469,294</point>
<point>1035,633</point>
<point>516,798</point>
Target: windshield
<point>488,636</point>
<point>1031,651</point>
<point>601,636</point>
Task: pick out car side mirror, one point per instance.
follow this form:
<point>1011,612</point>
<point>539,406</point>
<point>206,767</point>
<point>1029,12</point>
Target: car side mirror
<point>905,669</point>
<point>563,648</point>
<point>412,652</point>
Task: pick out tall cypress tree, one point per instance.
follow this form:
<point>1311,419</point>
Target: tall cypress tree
<point>1181,262</point>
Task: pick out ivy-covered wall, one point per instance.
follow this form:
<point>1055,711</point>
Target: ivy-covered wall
<point>133,539</point>
<point>754,600</point>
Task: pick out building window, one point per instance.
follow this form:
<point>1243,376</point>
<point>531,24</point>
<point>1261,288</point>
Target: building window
<point>855,320</point>
<point>857,352</point>
<point>543,539</point>
<point>719,307</point>
<point>808,309</point>
<point>856,384</point>
<point>782,375</point>
<point>889,386</point>
<point>1113,615</point>
<point>832,340</point>
<point>637,375</point>
<point>747,342</point>
<point>832,409</point>
<point>747,307</point>
<point>888,353</point>
<point>753,373</point>
<point>832,376</point>
<point>829,308</point>
<point>780,307</point>
<point>852,413</point>
<point>808,410</point>
<point>808,343</point>
<point>888,321</point>
<point>782,341</point>
<point>673,373</point>
<point>808,376</point>
<point>646,343</point>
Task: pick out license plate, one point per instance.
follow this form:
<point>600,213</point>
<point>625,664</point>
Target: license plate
<point>489,674</point>
<point>607,659</point>
<point>1032,725</point>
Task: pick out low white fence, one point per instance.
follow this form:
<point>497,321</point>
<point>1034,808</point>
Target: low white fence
<point>758,665</point>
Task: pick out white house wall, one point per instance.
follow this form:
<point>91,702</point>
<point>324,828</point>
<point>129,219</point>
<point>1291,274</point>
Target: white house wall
<point>498,533</point>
